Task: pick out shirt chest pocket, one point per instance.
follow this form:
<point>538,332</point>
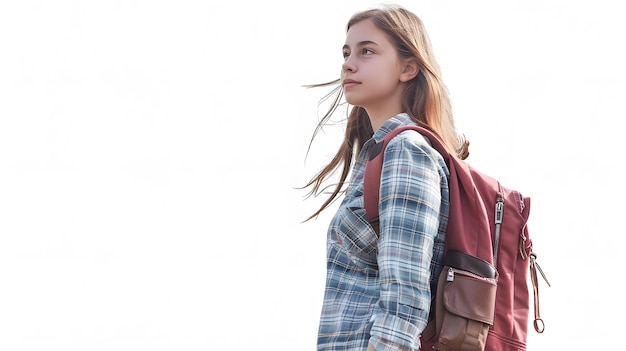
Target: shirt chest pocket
<point>354,232</point>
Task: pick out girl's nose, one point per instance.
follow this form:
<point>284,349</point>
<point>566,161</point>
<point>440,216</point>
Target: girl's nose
<point>348,66</point>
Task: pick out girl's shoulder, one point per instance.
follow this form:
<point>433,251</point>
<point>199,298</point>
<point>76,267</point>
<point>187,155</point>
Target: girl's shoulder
<point>411,143</point>
<point>410,139</point>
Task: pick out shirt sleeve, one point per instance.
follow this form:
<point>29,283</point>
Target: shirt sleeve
<point>410,200</point>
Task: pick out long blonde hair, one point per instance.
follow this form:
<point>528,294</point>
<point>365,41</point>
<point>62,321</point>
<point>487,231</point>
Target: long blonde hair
<point>425,98</point>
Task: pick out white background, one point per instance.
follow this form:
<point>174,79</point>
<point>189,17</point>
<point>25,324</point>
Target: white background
<point>149,152</point>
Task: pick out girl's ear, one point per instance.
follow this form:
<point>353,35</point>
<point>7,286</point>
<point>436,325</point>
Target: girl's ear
<point>411,69</point>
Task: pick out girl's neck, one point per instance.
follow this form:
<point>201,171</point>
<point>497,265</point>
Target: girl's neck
<point>380,111</point>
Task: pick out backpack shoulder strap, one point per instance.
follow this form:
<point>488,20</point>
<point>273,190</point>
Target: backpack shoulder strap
<point>468,223</point>
<point>374,165</point>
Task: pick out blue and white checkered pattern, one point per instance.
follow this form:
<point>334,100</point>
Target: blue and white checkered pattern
<point>379,290</point>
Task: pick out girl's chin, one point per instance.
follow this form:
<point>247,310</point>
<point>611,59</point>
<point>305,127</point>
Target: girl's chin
<point>352,100</point>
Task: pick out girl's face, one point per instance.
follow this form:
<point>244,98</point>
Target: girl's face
<point>371,74</point>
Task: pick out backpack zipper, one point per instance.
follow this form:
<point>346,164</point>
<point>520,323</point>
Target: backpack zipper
<point>498,223</point>
<point>453,271</point>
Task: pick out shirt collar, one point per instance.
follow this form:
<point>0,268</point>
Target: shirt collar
<point>401,119</point>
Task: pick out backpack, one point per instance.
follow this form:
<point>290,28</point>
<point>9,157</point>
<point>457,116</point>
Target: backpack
<point>482,299</point>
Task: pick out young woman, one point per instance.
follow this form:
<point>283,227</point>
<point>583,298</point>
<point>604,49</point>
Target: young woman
<point>378,289</point>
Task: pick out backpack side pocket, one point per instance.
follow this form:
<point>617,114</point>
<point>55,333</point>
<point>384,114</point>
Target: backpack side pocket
<point>465,308</point>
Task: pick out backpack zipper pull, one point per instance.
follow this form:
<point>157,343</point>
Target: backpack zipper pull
<point>450,276</point>
<point>499,211</point>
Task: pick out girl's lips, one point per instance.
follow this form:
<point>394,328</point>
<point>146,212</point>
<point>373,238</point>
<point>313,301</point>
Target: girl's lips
<point>349,83</point>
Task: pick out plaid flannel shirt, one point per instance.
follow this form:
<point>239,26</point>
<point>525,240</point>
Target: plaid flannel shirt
<point>378,290</point>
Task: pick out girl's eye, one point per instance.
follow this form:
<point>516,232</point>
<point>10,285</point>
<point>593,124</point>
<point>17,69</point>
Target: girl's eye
<point>364,51</point>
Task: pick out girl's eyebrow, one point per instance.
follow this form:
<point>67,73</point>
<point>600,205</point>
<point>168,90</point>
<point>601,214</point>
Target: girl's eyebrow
<point>361,43</point>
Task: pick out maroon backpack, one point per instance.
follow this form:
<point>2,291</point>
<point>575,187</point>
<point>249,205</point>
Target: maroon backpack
<point>482,300</point>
